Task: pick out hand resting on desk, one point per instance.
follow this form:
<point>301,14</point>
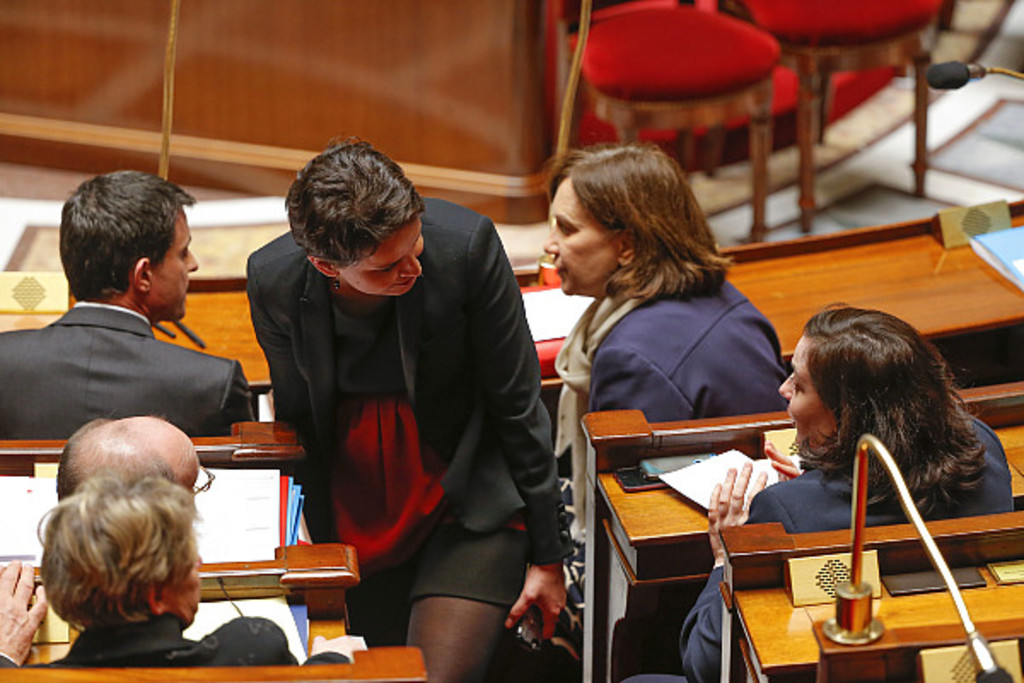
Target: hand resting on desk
<point>730,505</point>
<point>18,620</point>
<point>345,645</point>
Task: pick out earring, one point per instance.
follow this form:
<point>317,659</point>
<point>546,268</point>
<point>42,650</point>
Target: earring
<point>335,285</point>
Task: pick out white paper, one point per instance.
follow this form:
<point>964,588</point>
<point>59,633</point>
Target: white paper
<point>697,481</point>
<point>214,614</point>
<point>24,501</point>
<point>240,516</point>
<point>551,314</point>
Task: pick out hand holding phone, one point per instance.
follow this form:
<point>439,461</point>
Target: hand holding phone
<point>530,629</point>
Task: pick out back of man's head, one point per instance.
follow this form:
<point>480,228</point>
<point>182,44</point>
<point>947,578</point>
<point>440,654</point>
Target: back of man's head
<point>135,447</point>
<point>112,221</point>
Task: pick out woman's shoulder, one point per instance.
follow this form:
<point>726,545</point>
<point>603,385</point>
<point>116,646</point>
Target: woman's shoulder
<point>276,257</point>
<point>443,217</point>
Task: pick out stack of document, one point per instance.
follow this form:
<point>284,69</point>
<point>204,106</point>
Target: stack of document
<point>244,516</point>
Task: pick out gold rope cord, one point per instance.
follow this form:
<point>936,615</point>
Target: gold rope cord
<point>168,112</point>
<point>572,83</point>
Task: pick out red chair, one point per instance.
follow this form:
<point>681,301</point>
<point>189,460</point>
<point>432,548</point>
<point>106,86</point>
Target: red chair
<point>651,64</point>
<point>819,37</point>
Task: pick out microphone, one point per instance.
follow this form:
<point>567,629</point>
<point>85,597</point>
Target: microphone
<point>853,624</point>
<point>953,75</point>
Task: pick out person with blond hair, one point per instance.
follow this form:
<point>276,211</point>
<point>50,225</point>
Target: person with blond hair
<point>121,566</point>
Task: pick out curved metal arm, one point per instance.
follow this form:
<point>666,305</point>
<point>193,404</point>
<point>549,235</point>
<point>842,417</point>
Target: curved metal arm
<point>867,442</point>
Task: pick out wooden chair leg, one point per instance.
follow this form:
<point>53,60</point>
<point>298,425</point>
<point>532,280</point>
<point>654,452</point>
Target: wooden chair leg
<point>825,104</point>
<point>946,14</point>
<point>807,111</point>
<point>714,144</point>
<point>760,149</point>
<point>921,63</point>
<point>685,149</point>
<point>627,133</point>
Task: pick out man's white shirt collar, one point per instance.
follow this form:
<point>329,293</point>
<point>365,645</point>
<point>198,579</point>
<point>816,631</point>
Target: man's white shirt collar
<point>97,304</point>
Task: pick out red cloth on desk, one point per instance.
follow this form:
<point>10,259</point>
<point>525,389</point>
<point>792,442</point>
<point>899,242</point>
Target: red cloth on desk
<point>385,483</point>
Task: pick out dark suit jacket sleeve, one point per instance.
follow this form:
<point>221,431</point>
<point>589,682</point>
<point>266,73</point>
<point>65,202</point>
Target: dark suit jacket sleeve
<point>276,343</point>
<point>236,405</point>
<point>700,643</point>
<point>509,372</point>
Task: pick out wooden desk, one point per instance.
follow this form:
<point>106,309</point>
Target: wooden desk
<point>901,269</point>
<point>773,641</point>
<point>252,444</point>
<point>381,664</point>
<point>315,575</point>
<point>648,554</point>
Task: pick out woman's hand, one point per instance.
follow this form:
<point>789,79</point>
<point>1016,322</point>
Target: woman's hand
<point>344,645</point>
<point>730,506</point>
<point>782,463</point>
<point>544,587</point>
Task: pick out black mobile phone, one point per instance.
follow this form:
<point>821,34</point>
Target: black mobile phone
<point>635,479</point>
<point>530,629</point>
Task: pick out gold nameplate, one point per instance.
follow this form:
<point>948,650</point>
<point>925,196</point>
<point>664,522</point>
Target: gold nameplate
<point>1007,572</point>
<point>960,223</point>
<point>812,580</point>
<point>954,664</point>
<point>33,292</point>
<point>53,629</point>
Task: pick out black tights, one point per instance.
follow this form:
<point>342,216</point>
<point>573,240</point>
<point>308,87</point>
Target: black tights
<point>457,636</point>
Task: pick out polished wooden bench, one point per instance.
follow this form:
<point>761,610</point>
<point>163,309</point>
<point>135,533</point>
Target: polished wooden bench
<point>379,664</point>
<point>648,554</point>
<point>770,640</point>
<point>251,444</point>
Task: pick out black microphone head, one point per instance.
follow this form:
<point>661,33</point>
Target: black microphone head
<point>996,676</point>
<point>948,75</point>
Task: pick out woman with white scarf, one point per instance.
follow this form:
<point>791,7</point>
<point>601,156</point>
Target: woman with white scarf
<point>666,333</point>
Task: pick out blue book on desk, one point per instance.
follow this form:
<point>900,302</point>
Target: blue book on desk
<point>1004,251</point>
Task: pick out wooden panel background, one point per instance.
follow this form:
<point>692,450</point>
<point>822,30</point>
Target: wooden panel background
<point>456,86</point>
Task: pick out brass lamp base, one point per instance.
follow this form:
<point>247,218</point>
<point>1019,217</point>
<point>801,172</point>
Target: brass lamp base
<point>853,624</point>
<point>837,634</point>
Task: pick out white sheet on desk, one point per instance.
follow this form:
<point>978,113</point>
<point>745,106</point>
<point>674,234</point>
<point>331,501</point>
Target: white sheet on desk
<point>24,501</point>
<point>240,516</point>
<point>697,481</point>
<point>551,314</point>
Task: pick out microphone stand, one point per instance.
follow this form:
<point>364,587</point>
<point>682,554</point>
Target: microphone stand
<point>853,623</point>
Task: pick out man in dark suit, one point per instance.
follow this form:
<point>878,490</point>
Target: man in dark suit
<point>124,244</point>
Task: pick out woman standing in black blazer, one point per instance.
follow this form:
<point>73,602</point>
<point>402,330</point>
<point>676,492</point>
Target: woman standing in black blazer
<point>398,346</point>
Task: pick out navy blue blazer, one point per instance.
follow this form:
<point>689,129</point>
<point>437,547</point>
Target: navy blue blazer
<point>104,362</point>
<point>470,368</point>
<point>682,359</point>
<point>811,502</point>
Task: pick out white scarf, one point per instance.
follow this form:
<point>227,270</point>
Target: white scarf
<point>573,366</point>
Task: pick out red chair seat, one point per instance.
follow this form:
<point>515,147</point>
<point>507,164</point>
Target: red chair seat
<point>663,54</point>
<point>839,22</point>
